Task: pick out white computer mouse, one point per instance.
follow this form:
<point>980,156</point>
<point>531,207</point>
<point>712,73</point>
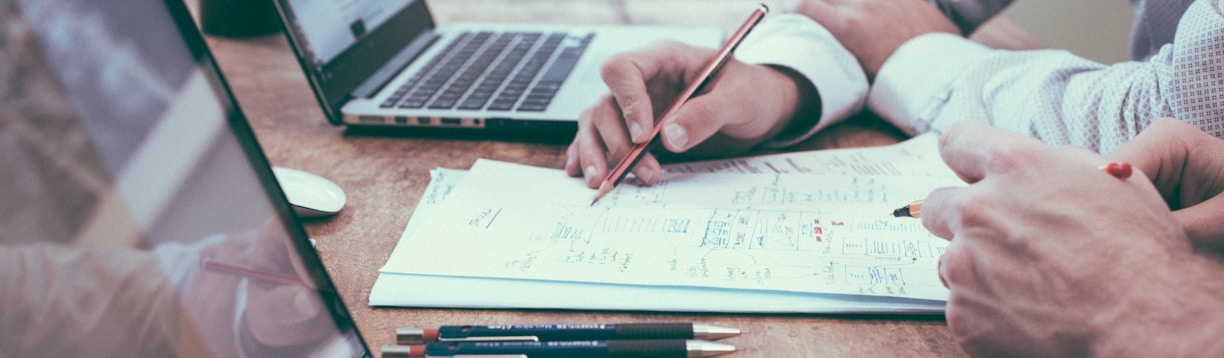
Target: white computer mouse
<point>311,196</point>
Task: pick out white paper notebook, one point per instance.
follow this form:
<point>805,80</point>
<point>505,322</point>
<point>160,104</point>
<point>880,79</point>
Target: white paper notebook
<point>795,232</point>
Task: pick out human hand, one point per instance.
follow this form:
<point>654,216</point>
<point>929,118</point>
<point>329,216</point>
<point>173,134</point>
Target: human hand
<point>743,106</point>
<point>1187,166</point>
<point>1050,256</point>
<point>873,29</point>
<point>280,316</point>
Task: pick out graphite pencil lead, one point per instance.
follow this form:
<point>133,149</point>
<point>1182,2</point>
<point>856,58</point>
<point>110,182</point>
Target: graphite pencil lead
<point>604,189</point>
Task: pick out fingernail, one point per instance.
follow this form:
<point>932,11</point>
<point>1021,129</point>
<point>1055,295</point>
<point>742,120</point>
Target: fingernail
<point>590,172</point>
<point>648,176</point>
<point>676,135</point>
<point>635,131</point>
<point>940,271</point>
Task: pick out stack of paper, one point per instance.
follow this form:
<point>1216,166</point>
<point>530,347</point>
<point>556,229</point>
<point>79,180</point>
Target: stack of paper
<point>795,232</point>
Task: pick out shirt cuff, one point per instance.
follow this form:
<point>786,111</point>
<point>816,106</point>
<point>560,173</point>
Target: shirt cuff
<point>915,82</point>
<point>796,42</point>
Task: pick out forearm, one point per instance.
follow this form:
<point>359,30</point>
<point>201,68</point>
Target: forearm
<point>1050,95</point>
<point>935,80</point>
<point>969,14</point>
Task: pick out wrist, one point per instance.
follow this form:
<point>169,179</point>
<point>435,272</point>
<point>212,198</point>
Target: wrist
<point>798,108</point>
<point>801,104</point>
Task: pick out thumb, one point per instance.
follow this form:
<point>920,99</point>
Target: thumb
<point>695,122</point>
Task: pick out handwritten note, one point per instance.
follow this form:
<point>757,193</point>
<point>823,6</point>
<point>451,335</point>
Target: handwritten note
<point>795,232</point>
<point>914,157</point>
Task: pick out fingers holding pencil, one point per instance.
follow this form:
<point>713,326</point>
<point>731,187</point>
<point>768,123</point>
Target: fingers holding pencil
<point>677,137</point>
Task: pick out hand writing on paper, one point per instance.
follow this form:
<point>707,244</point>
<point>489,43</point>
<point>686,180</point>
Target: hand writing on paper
<point>749,105</point>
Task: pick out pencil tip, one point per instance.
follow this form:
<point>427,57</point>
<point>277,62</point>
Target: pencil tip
<point>604,189</point>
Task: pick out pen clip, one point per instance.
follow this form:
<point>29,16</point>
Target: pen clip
<point>490,339</point>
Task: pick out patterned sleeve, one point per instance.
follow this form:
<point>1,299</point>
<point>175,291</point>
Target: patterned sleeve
<point>938,79</point>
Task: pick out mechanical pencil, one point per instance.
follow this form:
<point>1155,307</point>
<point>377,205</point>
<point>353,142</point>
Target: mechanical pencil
<point>564,332</point>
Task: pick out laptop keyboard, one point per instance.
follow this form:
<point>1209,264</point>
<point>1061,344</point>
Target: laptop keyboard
<point>493,71</point>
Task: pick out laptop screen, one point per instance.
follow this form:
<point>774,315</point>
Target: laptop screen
<point>331,26</point>
<point>140,217</point>
<point>348,47</point>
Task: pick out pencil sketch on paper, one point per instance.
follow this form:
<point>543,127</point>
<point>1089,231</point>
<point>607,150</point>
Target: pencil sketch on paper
<point>794,232</point>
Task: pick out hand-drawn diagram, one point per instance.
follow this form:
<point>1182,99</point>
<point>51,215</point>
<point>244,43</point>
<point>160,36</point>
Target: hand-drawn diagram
<point>792,232</point>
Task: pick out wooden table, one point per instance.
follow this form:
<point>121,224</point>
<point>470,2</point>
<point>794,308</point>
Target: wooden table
<point>385,177</point>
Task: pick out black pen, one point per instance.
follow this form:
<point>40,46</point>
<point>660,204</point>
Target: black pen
<point>565,332</point>
<point>653,348</point>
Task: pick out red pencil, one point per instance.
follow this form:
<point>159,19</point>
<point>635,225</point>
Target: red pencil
<point>1118,170</point>
<point>273,277</point>
<point>618,173</point>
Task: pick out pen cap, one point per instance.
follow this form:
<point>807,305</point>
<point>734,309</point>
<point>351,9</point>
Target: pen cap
<point>392,351</point>
<point>414,336</point>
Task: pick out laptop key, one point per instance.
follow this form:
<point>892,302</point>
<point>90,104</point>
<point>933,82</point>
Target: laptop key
<point>473,103</point>
<point>501,105</point>
<point>550,82</point>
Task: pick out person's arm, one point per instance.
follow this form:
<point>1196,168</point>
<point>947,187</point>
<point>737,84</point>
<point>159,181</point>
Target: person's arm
<point>1050,256</point>
<point>872,30</point>
<point>935,80</point>
<point>969,14</point>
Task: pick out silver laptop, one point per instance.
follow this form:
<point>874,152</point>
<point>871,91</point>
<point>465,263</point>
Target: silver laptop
<point>385,64</point>
<point>139,216</point>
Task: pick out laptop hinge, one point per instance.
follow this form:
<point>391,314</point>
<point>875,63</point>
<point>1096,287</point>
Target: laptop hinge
<point>394,65</point>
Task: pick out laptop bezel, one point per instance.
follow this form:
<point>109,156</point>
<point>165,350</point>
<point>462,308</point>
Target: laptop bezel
<point>370,62</point>
<point>236,121</point>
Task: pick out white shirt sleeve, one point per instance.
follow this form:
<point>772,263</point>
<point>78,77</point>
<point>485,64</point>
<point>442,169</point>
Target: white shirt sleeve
<point>796,42</point>
<point>935,80</point>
